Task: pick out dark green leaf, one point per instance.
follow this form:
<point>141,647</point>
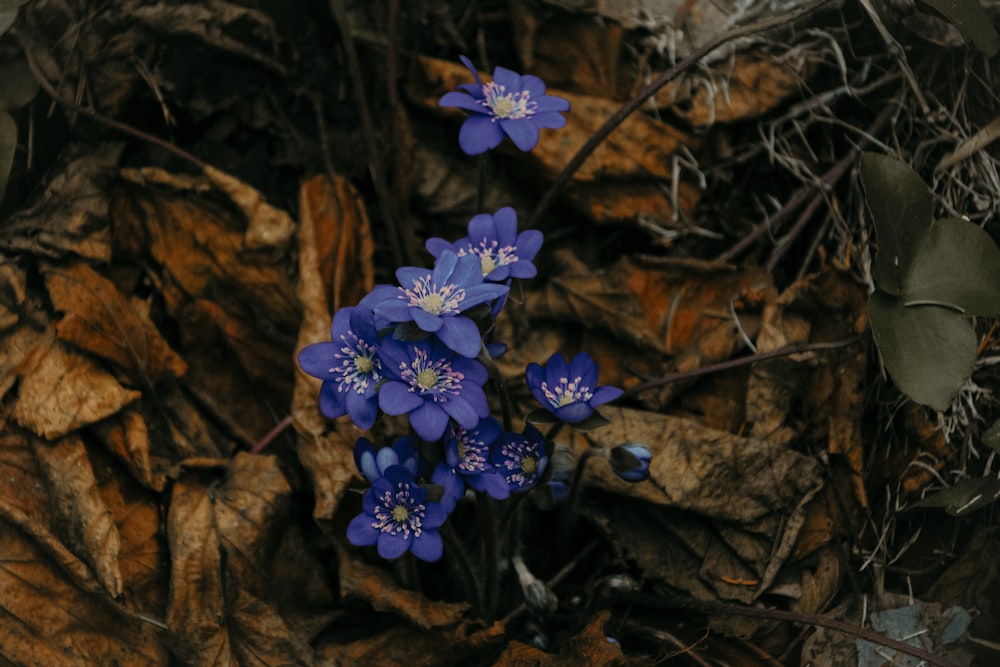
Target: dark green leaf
<point>929,351</point>
<point>964,497</point>
<point>595,420</point>
<point>957,263</point>
<point>992,437</point>
<point>900,205</point>
<point>19,85</point>
<point>8,142</point>
<point>541,416</point>
<point>972,21</point>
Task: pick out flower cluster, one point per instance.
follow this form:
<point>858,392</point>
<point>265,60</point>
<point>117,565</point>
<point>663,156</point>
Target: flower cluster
<point>415,349</point>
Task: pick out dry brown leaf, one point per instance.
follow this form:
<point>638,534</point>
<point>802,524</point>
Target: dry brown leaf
<point>342,236</point>
<point>78,509</point>
<point>415,647</point>
<point>71,215</point>
<point>358,579</point>
<point>99,319</point>
<point>219,536</point>
<point>327,454</point>
<point>267,226</point>
<point>127,437</point>
<point>12,294</point>
<point>591,647</point>
<point>17,346</point>
<point>62,391</point>
<point>745,87</point>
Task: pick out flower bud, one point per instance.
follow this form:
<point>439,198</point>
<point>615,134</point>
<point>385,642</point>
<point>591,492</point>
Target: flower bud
<point>631,461</point>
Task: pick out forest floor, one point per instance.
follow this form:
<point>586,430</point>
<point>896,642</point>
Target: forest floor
<point>196,188</point>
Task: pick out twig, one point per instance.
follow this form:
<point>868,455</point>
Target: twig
<point>271,435</point>
<point>709,607</point>
<point>640,98</point>
<point>736,363</point>
<point>401,253</point>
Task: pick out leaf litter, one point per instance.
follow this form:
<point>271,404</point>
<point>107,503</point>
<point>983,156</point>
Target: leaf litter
<point>151,307</point>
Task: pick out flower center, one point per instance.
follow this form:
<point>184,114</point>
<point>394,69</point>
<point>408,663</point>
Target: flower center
<point>427,378</point>
<point>363,364</point>
<point>357,366</point>
<point>488,264</point>
<point>444,300</point>
<point>400,513</point>
<point>529,465</point>
<point>506,105</point>
<point>436,378</point>
<point>566,392</point>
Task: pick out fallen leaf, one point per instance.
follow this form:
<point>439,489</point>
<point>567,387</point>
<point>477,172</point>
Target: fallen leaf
<point>61,391</point>
<point>405,646</point>
<point>591,646</point>
<point>99,319</point>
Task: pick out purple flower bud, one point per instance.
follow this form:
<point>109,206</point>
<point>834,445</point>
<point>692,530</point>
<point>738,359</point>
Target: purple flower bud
<point>631,461</point>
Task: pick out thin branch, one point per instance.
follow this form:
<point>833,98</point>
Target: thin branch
<point>640,98</point>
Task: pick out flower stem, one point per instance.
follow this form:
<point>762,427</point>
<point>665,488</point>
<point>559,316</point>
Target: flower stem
<point>455,549</point>
<point>500,386</point>
<point>569,514</point>
<point>484,173</point>
<point>491,554</point>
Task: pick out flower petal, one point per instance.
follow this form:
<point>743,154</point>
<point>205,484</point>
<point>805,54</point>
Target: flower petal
<point>360,531</point>
<point>393,546</point>
<point>505,226</point>
<point>443,268</point>
<point>551,104</point>
<point>585,368</point>
<point>395,310</point>
<point>472,68</point>
<point>605,395</point>
<point>468,272</point>
<point>493,484</point>
<point>429,421</point>
<point>427,321</point>
<point>331,401</point>
<point>522,131</point>
<point>434,515</point>
<point>460,410</point>
<point>362,410</point>
<point>482,228</point>
<point>462,101</point>
<point>395,398</point>
<point>549,119</point>
<point>428,547</point>
<point>460,334</point>
<point>528,243</point>
<point>509,79</point>
<point>522,269</point>
<point>479,134</point>
<point>474,371</point>
<point>436,246</point>
<point>317,360</point>
<point>574,412</point>
<point>532,84</point>
<point>453,485</point>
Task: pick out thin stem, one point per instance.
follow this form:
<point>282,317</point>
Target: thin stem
<point>484,169</point>
<point>736,363</point>
<point>400,251</point>
<point>500,386</point>
<point>576,485</point>
<point>491,554</point>
<point>271,435</point>
<point>713,608</point>
<point>455,549</point>
<point>643,95</point>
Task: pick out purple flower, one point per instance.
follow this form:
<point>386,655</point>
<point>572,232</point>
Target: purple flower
<point>467,462</point>
<point>521,458</point>
<point>349,366</point>
<point>569,391</point>
<point>434,300</point>
<point>397,518</point>
<point>511,104</point>
<point>431,383</point>
<point>502,252</point>
<point>631,461</point>
<point>373,463</point>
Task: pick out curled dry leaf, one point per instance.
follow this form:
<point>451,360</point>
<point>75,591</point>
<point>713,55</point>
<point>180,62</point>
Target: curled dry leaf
<point>591,647</point>
<point>267,226</point>
<point>327,454</point>
<point>99,319</point>
<point>12,293</point>
<point>61,391</point>
<point>219,536</point>
<point>375,585</point>
<point>78,509</point>
<point>415,647</point>
<point>71,215</point>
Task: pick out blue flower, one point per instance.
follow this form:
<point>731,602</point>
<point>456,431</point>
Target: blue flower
<point>349,366</point>
<point>467,461</point>
<point>373,463</point>
<point>631,461</point>
<point>569,391</point>
<point>434,300</point>
<point>502,252</point>
<point>398,517</point>
<point>521,458</point>
<point>430,383</point>
<point>511,105</point>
